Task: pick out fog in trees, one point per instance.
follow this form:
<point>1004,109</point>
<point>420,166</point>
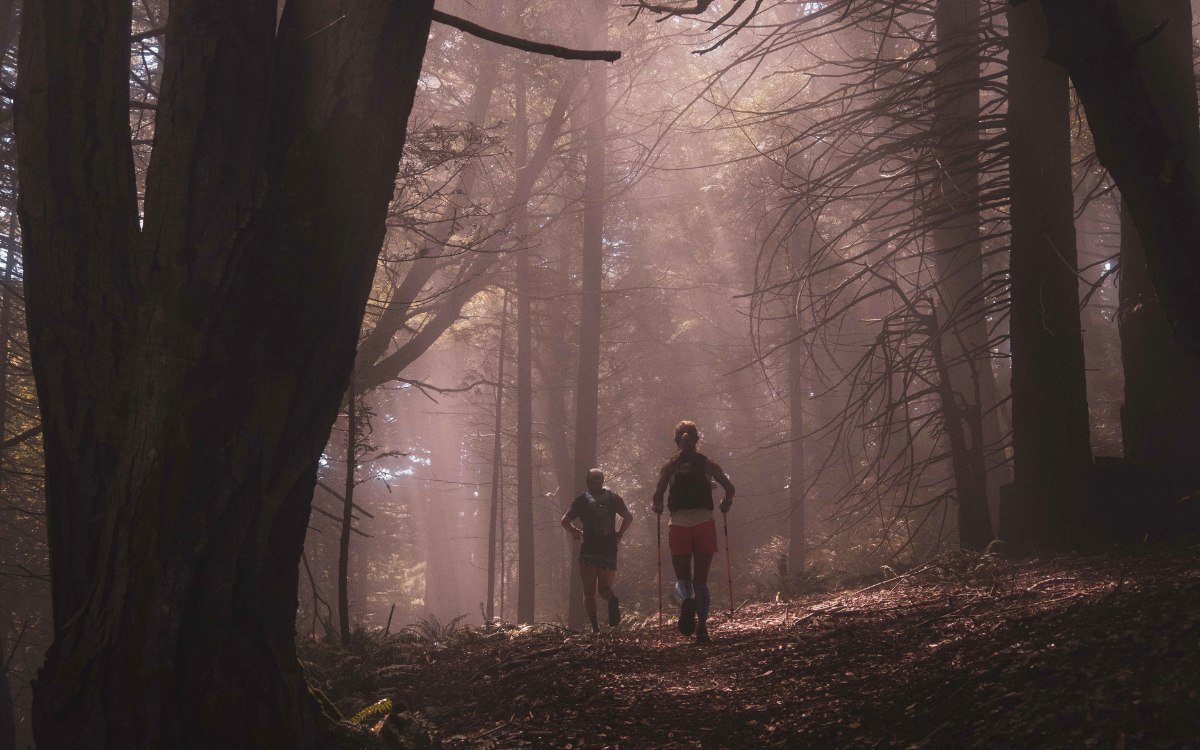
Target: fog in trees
<point>330,308</point>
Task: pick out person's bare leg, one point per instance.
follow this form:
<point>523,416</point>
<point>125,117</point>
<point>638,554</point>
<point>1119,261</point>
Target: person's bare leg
<point>683,567</point>
<point>605,580</point>
<point>703,597</point>
<point>588,575</point>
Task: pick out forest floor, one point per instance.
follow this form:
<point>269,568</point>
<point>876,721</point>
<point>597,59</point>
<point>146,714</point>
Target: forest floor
<point>1069,652</point>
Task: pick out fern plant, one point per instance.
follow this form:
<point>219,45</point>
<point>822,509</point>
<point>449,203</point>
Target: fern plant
<point>373,712</point>
<point>431,630</point>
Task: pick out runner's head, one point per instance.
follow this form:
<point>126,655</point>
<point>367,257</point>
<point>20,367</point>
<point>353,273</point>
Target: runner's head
<point>595,480</point>
<point>686,436</point>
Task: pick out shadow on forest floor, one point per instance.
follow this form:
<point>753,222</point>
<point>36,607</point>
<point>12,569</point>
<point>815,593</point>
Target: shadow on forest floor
<point>968,651</point>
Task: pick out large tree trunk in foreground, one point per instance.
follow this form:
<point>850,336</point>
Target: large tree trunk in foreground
<point>955,213</point>
<point>1051,441</point>
<point>1145,155</point>
<point>1162,404</point>
<point>189,372</point>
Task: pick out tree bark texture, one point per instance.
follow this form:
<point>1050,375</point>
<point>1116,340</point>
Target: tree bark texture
<point>1146,156</point>
<point>587,390</point>
<point>526,561</point>
<point>497,466</point>
<point>955,213</point>
<point>1162,406</point>
<point>189,370</point>
<point>1051,441</point>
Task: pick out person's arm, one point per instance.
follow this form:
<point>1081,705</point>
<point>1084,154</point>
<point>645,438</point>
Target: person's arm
<point>626,518</point>
<point>571,514</point>
<point>722,480</point>
<point>571,528</point>
<point>664,481</point>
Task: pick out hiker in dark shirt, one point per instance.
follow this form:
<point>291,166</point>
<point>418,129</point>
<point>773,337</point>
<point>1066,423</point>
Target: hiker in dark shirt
<point>596,510</point>
<point>689,477</point>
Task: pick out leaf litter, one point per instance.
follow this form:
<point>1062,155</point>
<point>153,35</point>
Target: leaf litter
<point>965,651</point>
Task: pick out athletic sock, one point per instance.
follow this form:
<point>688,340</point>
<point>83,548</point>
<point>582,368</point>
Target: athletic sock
<point>702,600</point>
<point>683,587</point>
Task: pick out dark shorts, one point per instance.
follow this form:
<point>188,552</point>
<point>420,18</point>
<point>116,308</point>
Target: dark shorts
<point>602,555</point>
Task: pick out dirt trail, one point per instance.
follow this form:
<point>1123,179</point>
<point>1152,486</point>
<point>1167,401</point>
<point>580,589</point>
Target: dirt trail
<point>1071,653</point>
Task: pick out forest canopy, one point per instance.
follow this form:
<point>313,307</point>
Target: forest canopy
<point>317,314</point>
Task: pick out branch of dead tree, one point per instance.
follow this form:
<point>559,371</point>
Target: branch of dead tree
<point>538,48</point>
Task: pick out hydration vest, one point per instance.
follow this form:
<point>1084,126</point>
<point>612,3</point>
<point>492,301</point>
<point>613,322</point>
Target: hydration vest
<point>690,487</point>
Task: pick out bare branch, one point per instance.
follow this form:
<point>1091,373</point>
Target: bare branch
<point>144,35</point>
<point>523,44</point>
<point>18,439</point>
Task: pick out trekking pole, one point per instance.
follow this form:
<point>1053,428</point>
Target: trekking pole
<point>728,564</point>
<point>659,515</point>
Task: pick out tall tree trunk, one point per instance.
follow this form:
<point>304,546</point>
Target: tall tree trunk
<point>526,584</point>
<point>1140,148</point>
<point>497,466</point>
<point>347,513</point>
<point>555,373</point>
<point>190,361</point>
<point>587,390</point>
<point>797,357</point>
<point>1051,442</point>
<point>955,213</point>
<point>1162,405</point>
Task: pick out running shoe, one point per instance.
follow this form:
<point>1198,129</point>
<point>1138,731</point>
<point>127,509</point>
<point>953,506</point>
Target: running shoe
<point>614,611</point>
<point>702,633</point>
<point>687,617</point>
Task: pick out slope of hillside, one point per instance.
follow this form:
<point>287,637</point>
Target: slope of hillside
<point>1072,652</point>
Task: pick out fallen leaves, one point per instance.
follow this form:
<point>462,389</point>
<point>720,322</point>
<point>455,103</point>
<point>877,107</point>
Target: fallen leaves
<point>1032,654</point>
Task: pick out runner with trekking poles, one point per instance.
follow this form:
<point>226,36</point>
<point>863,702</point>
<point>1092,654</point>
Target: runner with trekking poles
<point>692,530</point>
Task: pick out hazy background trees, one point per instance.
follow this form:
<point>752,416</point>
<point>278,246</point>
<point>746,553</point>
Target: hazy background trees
<point>869,248</point>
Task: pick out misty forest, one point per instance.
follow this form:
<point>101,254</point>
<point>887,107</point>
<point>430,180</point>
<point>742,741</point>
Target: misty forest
<point>599,374</point>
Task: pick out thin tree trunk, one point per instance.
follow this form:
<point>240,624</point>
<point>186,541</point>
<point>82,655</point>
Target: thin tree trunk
<point>5,334</point>
<point>526,583</point>
<point>497,466</point>
<point>1051,441</point>
<point>555,376</point>
<point>797,358</point>
<point>347,514</point>
<point>954,211</point>
<point>190,361</point>
<point>503,560</point>
<point>8,724</point>
<point>587,391</point>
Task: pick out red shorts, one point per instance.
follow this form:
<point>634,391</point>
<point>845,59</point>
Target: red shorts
<point>685,540</point>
